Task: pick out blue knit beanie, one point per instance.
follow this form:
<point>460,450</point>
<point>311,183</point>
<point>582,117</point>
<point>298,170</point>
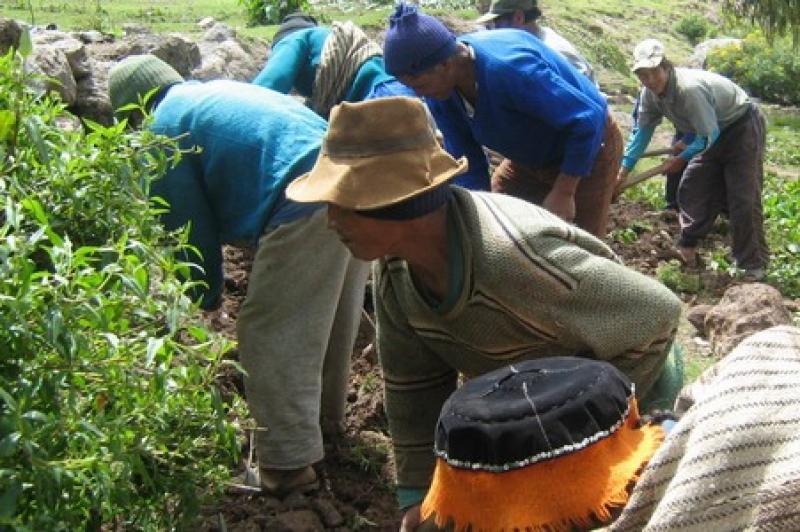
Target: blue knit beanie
<point>415,42</point>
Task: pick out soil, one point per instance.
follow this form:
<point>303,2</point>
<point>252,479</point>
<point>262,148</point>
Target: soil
<point>356,474</point>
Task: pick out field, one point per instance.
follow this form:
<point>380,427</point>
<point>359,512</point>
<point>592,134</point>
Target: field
<point>120,403</point>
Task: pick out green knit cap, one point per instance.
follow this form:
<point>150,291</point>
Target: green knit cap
<point>135,76</point>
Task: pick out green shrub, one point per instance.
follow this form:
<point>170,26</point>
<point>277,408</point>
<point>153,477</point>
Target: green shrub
<point>694,27</point>
<point>672,275</point>
<point>770,72</point>
<point>109,413</point>
<point>261,12</point>
<point>782,224</point>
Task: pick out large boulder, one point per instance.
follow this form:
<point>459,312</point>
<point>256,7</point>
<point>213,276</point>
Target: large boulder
<point>226,57</point>
<point>74,50</point>
<point>92,101</point>
<point>55,73</point>
<point>743,310</point>
<point>174,48</point>
<point>701,51</point>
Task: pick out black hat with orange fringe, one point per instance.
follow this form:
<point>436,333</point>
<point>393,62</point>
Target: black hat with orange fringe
<point>549,444</point>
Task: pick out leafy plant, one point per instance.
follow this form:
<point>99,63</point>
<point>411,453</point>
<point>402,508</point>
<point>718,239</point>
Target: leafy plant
<point>775,17</point>
<point>782,224</point>
<point>694,27</point>
<point>650,192</point>
<point>674,278</point>
<point>631,233</point>
<point>771,72</point>
<point>109,415</point>
<point>261,12</point>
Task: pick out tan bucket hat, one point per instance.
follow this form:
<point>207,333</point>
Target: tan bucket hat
<point>375,154</point>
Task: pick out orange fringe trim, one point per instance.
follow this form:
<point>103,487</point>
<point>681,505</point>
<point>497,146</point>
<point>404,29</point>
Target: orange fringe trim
<point>557,494</point>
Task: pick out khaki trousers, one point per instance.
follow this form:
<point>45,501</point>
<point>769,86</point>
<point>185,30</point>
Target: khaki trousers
<point>296,331</point>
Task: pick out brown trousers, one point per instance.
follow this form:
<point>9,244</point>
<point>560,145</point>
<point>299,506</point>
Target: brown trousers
<point>730,172</point>
<point>593,197</point>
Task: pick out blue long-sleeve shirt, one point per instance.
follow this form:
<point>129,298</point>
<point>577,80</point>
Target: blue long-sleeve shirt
<point>253,142</point>
<point>532,107</point>
<point>294,60</point>
<point>640,138</point>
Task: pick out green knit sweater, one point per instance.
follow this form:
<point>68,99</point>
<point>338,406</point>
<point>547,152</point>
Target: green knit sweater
<point>533,286</point>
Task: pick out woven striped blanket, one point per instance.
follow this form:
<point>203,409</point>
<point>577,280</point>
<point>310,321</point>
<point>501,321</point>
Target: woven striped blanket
<point>733,460</point>
<point>344,51</point>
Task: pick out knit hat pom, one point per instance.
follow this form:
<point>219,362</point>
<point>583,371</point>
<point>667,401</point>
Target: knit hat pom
<point>403,13</point>
<point>415,41</point>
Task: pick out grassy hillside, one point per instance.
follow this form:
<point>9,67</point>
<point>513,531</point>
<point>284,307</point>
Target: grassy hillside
<point>605,30</point>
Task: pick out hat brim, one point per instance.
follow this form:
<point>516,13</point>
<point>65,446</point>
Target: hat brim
<point>366,183</point>
<point>650,62</point>
<point>487,17</point>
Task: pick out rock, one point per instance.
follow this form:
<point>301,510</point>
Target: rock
<point>698,58</point>
<point>92,100</point>
<point>206,22</point>
<point>226,60</point>
<point>296,521</point>
<point>697,317</point>
<point>744,310</point>
<point>219,32</point>
<point>74,50</point>
<point>178,51</point>
<point>792,305</point>
<point>10,32</point>
<point>181,53</point>
<point>328,512</point>
<point>52,63</point>
<point>92,37</point>
<point>131,28</point>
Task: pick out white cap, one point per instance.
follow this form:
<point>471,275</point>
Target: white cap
<point>648,54</point>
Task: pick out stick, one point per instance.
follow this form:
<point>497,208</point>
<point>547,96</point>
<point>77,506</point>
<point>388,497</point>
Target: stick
<point>638,178</point>
<point>657,152</point>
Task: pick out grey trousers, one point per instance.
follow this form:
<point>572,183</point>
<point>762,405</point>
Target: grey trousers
<point>296,331</point>
<point>732,172</point>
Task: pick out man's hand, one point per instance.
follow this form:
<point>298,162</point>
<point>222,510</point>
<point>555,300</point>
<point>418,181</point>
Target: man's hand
<point>674,165</point>
<point>561,199</point>
<point>411,519</point>
<point>678,147</point>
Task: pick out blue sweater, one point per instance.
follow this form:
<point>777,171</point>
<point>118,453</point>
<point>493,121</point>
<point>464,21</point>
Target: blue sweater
<point>532,107</point>
<point>253,143</point>
<point>294,60</point>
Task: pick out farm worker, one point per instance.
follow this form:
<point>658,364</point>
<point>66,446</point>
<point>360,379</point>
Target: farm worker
<point>296,319</point>
<point>555,444</point>
<point>325,65</point>
<point>524,15</point>
<point>680,141</point>
<point>471,281</point>
<point>724,163</point>
<point>508,91</point>
<point>546,444</point>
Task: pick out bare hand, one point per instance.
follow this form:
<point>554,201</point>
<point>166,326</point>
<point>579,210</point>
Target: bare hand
<point>411,519</point>
<point>678,147</point>
<point>674,165</point>
<point>561,198</point>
